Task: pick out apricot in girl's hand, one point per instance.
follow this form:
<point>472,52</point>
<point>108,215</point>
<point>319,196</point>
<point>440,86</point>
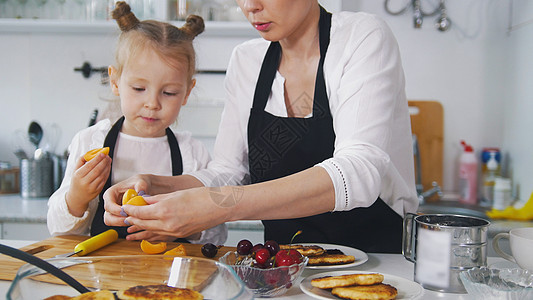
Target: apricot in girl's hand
<point>92,153</point>
<point>137,200</point>
<point>128,195</point>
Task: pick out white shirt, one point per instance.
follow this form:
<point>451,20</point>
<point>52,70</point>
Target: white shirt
<point>365,84</point>
<point>133,155</point>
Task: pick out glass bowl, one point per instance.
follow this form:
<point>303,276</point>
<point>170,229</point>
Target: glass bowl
<point>269,282</point>
<point>212,279</point>
<point>484,283</point>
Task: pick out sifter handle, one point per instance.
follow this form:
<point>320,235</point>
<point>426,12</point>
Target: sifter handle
<point>96,242</point>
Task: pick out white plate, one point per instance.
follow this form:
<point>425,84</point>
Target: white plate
<point>360,256</point>
<point>407,289</point>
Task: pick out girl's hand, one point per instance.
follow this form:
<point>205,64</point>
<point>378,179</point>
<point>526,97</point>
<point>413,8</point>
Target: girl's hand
<point>87,182</point>
<point>114,215</point>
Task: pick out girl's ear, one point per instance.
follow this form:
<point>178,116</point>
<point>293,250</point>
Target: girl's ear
<point>191,86</point>
<point>113,79</point>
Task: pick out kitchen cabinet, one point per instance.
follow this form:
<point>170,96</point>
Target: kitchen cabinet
<point>212,28</point>
<point>24,231</point>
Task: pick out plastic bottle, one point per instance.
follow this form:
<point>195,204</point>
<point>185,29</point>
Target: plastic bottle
<point>468,175</point>
<point>489,177</point>
<point>502,193</point>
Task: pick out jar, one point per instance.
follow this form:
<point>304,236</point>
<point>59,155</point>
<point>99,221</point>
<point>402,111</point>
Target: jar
<point>502,193</point>
<point>9,178</point>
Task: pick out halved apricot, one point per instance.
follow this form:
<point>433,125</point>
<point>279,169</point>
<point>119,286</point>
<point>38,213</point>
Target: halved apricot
<point>150,248</point>
<point>92,153</point>
<point>177,251</point>
<point>128,195</point>
<point>137,200</point>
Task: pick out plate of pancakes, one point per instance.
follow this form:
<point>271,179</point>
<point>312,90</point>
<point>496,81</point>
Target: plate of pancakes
<point>329,256</point>
<point>360,285</point>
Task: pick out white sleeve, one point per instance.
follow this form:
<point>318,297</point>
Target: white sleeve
<point>216,235</point>
<point>59,220</point>
<point>196,157</point>
<point>373,150</point>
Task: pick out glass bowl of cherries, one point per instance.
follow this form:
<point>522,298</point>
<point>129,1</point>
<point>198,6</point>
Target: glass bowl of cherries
<point>265,269</point>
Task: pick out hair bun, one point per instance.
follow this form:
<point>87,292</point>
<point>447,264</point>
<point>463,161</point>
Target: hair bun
<point>194,25</point>
<point>125,18</point>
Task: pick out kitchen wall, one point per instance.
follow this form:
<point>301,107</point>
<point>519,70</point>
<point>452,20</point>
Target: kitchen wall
<point>479,70</point>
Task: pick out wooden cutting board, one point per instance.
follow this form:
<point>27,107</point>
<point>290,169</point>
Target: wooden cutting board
<point>65,244</point>
<point>427,122</point>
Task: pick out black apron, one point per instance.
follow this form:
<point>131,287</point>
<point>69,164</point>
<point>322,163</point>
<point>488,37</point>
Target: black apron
<point>98,225</point>
<point>281,146</point>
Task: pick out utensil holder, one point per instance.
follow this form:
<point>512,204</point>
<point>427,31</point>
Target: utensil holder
<point>36,177</point>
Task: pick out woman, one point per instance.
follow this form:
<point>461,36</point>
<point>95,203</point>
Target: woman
<point>316,120</point>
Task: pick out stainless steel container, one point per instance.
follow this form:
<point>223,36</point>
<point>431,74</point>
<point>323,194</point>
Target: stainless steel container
<point>442,246</point>
<point>36,177</point>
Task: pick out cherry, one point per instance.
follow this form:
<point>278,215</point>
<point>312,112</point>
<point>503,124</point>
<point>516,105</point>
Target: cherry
<point>288,258</point>
<point>272,246</point>
<point>256,248</point>
<point>209,250</point>
<point>244,247</point>
<point>262,256</point>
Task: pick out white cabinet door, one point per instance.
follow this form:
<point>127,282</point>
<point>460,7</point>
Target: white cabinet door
<point>25,231</point>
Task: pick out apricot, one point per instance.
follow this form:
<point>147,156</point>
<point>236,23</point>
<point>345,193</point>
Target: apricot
<point>177,251</point>
<point>150,248</point>
<point>92,153</point>
<point>137,200</point>
<point>128,195</point>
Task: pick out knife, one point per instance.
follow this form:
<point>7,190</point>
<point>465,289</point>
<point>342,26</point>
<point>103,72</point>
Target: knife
<point>96,242</point>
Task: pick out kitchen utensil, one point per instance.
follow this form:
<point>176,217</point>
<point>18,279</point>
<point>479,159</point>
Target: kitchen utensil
<point>36,177</point>
<point>34,260</point>
<point>92,119</point>
<point>51,135</point>
<point>212,279</point>
<point>35,133</point>
<point>443,22</point>
<point>21,145</point>
<point>441,246</point>
<point>521,242</point>
<point>96,242</point>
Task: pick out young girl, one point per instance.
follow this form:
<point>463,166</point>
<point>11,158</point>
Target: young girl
<point>155,62</point>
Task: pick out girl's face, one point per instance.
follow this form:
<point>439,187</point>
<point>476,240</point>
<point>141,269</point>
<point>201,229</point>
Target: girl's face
<point>277,20</point>
<point>151,93</point>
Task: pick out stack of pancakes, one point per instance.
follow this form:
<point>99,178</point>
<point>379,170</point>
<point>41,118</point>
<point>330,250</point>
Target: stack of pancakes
<point>357,286</point>
<point>318,256</point>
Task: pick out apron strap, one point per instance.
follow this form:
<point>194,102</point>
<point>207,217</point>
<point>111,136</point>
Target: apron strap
<point>98,225</point>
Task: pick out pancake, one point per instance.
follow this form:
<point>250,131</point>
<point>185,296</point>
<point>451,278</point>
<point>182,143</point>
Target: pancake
<point>378,291</point>
<point>311,250</point>
<point>329,282</point>
<point>96,295</point>
<point>330,259</point>
<point>162,292</point>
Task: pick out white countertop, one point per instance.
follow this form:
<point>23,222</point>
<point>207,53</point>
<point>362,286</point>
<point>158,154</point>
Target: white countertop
<point>391,264</point>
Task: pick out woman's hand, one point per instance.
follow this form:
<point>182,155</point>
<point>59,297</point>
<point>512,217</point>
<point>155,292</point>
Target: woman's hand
<point>87,182</point>
<point>175,214</point>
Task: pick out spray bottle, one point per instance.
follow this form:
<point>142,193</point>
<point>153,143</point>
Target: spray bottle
<point>468,175</point>
<point>489,178</point>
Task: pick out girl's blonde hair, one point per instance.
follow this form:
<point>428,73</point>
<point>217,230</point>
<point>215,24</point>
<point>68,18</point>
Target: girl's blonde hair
<point>171,43</point>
